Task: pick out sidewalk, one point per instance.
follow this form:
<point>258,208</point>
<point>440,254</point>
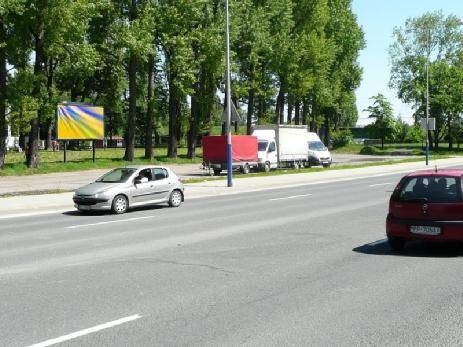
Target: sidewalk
<point>28,205</point>
<point>72,180</point>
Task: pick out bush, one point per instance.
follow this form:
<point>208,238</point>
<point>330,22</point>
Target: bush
<point>341,138</point>
<point>369,150</point>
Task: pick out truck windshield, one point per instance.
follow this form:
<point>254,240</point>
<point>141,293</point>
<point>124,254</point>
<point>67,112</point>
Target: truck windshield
<point>262,146</point>
<point>117,176</point>
<point>317,146</point>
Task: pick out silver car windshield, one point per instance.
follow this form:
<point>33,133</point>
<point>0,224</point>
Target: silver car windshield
<point>117,176</point>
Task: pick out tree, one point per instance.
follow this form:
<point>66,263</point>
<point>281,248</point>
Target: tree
<point>8,9</point>
<point>381,111</point>
<point>431,39</point>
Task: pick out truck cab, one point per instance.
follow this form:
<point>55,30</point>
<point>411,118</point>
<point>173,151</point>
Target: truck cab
<point>267,154</point>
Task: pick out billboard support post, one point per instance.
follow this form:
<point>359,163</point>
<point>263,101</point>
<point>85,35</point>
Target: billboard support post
<point>94,150</point>
<point>65,148</point>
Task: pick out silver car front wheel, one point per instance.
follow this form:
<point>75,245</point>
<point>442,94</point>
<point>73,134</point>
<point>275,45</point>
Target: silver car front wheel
<point>120,204</point>
<point>175,199</point>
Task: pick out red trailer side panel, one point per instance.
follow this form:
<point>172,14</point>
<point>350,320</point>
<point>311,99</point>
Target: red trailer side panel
<point>244,149</point>
<point>214,149</point>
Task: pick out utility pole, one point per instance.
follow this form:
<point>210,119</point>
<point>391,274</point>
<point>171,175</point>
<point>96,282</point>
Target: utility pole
<point>228,109</point>
<point>427,96</point>
<point>427,111</point>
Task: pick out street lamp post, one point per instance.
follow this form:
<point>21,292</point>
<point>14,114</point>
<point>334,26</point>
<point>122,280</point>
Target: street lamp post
<point>228,108</point>
<point>427,111</point>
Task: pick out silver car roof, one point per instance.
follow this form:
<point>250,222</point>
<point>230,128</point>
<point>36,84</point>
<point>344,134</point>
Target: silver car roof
<point>140,167</point>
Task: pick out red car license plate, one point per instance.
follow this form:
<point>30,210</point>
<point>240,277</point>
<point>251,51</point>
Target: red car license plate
<point>425,230</point>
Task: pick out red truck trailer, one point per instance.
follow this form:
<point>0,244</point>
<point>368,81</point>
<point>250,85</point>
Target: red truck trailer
<point>244,153</point>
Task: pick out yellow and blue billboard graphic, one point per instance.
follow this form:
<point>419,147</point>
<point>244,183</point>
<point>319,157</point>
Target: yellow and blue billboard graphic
<point>80,122</point>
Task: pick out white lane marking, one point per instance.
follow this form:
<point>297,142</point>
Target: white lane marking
<point>291,197</point>
<point>376,243</point>
<point>108,222</point>
<point>380,184</point>
<point>86,331</point>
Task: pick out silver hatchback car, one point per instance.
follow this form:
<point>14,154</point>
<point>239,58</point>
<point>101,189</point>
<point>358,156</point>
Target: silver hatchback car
<point>131,186</point>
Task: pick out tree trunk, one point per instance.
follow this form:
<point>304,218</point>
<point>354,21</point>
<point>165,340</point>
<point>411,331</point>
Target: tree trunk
<point>450,133</point>
<point>250,113</point>
<point>49,129</point>
<point>304,112</point>
<point>282,109</point>
<point>173,108</point>
<point>297,116</point>
<point>3,125</point>
<point>236,123</point>
<point>290,109</point>
<point>32,148</point>
<point>313,123</point>
<point>194,122</point>
<point>149,111</point>
<point>280,101</point>
<point>327,128</point>
<point>131,121</point>
<point>130,139</point>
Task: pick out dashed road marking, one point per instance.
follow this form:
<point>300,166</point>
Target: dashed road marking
<point>108,222</point>
<point>291,197</point>
<point>380,184</point>
<point>86,331</point>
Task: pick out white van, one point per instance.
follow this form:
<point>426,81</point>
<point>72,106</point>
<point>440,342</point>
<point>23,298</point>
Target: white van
<point>318,153</point>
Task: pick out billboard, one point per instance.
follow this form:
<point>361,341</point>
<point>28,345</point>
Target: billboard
<point>80,122</point>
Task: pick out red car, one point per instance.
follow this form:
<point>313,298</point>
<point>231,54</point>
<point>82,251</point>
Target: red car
<point>426,205</point>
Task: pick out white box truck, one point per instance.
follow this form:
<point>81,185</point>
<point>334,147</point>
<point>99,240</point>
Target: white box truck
<point>281,146</point>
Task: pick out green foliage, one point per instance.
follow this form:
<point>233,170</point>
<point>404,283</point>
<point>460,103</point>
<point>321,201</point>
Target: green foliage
<point>369,150</point>
<point>437,41</point>
<point>341,138</point>
<point>284,53</point>
<point>384,126</point>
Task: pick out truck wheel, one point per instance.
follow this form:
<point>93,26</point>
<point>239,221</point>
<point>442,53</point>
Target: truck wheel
<point>267,167</point>
<point>217,172</point>
<point>245,169</point>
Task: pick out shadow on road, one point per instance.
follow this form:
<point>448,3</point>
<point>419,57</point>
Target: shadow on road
<point>414,249</point>
<point>109,213</point>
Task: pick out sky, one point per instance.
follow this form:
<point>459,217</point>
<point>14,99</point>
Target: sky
<point>378,19</point>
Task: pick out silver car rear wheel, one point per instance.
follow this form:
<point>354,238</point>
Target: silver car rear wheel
<point>120,204</point>
<point>175,199</point>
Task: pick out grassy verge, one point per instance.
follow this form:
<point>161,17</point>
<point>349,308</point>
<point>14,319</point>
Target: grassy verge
<point>51,162</point>
<point>396,149</point>
<point>317,169</point>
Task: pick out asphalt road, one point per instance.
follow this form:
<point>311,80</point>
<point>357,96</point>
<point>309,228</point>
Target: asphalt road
<point>297,266</point>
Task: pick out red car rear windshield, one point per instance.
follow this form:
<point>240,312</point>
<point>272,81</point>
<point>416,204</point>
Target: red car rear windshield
<point>439,189</point>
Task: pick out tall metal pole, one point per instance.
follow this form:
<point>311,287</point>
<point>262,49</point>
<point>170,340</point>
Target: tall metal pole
<point>228,92</point>
<point>427,111</point>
